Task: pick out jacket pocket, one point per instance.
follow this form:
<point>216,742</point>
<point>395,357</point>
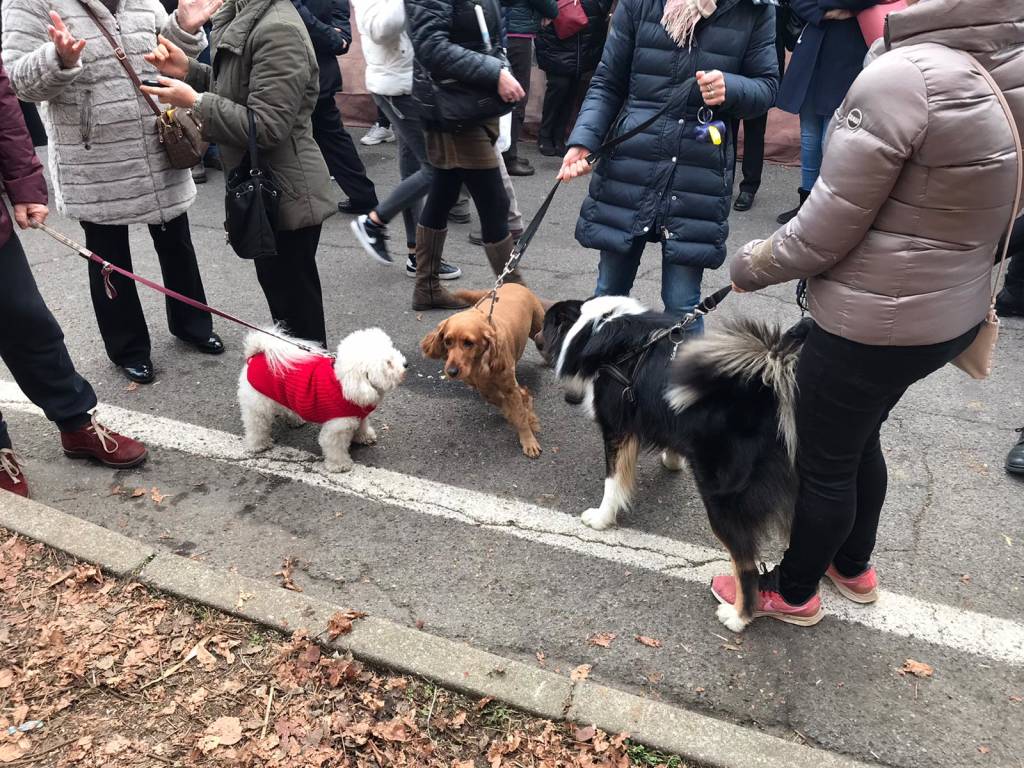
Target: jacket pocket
<point>85,118</point>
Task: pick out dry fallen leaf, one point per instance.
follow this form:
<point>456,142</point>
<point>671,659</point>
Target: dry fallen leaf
<point>132,386</point>
<point>650,642</point>
<point>916,668</point>
<point>484,702</point>
<point>286,575</point>
<point>10,751</point>
<point>582,672</point>
<point>601,639</point>
<point>585,733</point>
<point>6,678</point>
<point>984,750</point>
<point>1016,699</point>
<point>341,623</point>
<point>541,659</point>
<point>227,729</point>
<point>138,492</point>
<point>156,496</point>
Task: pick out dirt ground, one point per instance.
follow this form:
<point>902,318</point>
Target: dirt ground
<point>98,671</point>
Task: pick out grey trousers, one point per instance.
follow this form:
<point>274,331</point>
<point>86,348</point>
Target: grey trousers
<point>416,172</point>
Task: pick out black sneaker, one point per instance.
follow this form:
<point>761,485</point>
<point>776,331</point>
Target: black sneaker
<point>373,237</point>
<point>447,271</point>
<point>1015,459</point>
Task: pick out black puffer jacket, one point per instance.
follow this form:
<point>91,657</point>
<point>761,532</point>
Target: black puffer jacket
<point>446,40</point>
<point>580,53</point>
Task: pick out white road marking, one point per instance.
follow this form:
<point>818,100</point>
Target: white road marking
<point>896,614</point>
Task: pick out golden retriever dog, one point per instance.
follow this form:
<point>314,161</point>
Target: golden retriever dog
<point>484,354</point>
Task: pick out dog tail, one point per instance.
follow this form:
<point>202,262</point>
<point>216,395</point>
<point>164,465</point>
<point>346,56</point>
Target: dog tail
<point>746,350</point>
<point>471,296</point>
<point>281,354</point>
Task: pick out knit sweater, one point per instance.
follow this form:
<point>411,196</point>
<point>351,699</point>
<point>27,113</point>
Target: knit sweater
<point>106,160</point>
<point>309,388</point>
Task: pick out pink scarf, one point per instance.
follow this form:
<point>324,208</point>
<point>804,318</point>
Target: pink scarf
<point>681,17</point>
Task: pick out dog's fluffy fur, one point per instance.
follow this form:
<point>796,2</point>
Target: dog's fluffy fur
<point>725,404</point>
<point>484,355</point>
<point>368,367</point>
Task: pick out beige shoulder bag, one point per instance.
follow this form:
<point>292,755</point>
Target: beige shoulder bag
<point>977,360</point>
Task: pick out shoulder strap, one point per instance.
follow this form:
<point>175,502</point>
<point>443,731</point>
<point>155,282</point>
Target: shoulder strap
<point>1015,133</point>
<point>121,57</point>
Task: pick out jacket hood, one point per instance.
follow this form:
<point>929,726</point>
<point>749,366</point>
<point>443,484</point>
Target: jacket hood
<point>977,26</point>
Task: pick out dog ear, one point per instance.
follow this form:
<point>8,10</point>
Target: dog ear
<point>491,357</point>
<point>433,343</point>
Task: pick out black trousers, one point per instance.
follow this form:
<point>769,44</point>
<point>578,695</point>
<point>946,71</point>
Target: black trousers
<point>291,283</point>
<point>846,391</point>
<point>485,187</point>
<point>560,97</point>
<point>32,346</point>
<point>520,57</point>
<point>1015,269</point>
<point>340,153</point>
<point>121,321</point>
<point>754,130</point>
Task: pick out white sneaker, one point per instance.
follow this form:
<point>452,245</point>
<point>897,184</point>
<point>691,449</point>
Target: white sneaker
<point>377,135</point>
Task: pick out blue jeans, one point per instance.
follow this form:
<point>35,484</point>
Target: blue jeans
<point>812,136</point>
<point>680,285</point>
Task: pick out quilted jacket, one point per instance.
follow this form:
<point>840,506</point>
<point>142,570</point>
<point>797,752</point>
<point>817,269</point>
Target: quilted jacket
<point>916,190</point>
<point>20,169</point>
<point>106,160</point>
<point>666,183</point>
<point>579,54</point>
<point>523,17</point>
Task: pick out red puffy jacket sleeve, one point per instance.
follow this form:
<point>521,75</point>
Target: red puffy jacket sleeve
<point>20,169</point>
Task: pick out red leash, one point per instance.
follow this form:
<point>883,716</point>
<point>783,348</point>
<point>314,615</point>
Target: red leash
<point>107,269</point>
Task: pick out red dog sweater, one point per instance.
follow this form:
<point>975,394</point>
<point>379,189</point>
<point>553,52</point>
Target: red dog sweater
<point>309,388</point>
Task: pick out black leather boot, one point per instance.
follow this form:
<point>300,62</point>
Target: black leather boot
<point>785,218</point>
<point>1015,459</point>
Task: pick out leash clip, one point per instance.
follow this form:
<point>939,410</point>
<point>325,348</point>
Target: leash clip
<point>108,285</point>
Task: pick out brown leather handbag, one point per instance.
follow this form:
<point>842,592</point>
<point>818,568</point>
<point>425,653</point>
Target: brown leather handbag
<point>977,360</point>
<point>180,130</point>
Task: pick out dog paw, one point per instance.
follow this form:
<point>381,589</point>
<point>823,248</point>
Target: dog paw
<point>672,461</point>
<point>597,519</point>
<point>366,436</point>
<point>732,620</point>
<point>338,467</point>
<point>258,446</point>
<point>531,448</point>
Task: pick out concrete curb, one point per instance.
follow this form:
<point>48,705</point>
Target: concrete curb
<point>711,742</point>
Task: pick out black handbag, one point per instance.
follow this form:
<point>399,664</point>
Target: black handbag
<point>459,105</point>
<point>251,205</point>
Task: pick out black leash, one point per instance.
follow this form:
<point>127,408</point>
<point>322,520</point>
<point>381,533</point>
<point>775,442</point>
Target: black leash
<point>524,240</point>
<point>675,334</point>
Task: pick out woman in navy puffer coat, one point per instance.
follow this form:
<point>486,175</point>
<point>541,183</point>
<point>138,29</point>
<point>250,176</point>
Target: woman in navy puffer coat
<point>667,185</point>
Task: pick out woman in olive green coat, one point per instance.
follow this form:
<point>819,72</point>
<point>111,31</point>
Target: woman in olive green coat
<point>263,61</point>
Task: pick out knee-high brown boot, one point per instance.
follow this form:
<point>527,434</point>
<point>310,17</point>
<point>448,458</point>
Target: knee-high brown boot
<point>497,257</point>
<point>428,293</point>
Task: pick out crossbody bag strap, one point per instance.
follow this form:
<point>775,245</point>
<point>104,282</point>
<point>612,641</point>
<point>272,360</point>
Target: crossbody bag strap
<point>122,57</point>
<point>1015,133</point>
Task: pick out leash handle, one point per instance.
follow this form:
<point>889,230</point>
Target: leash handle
<point>108,268</point>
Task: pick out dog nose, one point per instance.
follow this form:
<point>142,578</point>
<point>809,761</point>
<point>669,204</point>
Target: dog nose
<point>452,371</point>
<point>405,363</point>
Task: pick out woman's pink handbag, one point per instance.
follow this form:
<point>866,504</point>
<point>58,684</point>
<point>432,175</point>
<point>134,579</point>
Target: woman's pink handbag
<point>872,20</point>
<point>571,19</point>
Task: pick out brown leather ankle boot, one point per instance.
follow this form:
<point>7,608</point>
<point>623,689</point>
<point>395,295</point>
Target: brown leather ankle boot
<point>428,293</point>
<point>497,257</point>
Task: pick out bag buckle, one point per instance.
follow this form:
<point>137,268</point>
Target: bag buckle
<point>119,52</point>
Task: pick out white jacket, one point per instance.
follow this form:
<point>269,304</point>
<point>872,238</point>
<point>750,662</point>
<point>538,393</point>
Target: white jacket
<point>386,46</point>
<point>106,160</point>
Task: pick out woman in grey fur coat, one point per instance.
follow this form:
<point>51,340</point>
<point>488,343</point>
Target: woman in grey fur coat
<point>108,167</point>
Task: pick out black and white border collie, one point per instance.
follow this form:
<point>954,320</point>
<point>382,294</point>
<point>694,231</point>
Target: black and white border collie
<point>724,404</point>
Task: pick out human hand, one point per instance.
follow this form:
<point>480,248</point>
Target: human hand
<point>173,92</point>
<point>27,213</point>
<point>839,14</point>
<point>168,59</point>
<point>509,88</point>
<point>712,87</point>
<point>574,164</point>
<point>69,50</point>
<point>192,14</point>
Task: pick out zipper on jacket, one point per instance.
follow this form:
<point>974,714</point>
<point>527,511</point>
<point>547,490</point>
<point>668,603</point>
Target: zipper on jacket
<point>85,117</point>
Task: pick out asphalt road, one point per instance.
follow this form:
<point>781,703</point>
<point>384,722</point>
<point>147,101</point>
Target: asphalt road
<point>469,537</point>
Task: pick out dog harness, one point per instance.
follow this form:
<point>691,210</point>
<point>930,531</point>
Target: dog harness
<point>309,388</point>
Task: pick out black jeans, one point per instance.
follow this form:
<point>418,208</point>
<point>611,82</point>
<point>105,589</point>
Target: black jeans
<point>754,131</point>
<point>846,391</point>
<point>291,284</point>
<point>340,153</point>
<point>560,98</point>
<point>487,191</point>
<point>121,321</point>
<point>32,346</point>
<point>520,58</point>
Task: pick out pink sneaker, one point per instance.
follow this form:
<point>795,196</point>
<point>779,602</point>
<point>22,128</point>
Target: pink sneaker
<point>769,603</point>
<point>860,589</point>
